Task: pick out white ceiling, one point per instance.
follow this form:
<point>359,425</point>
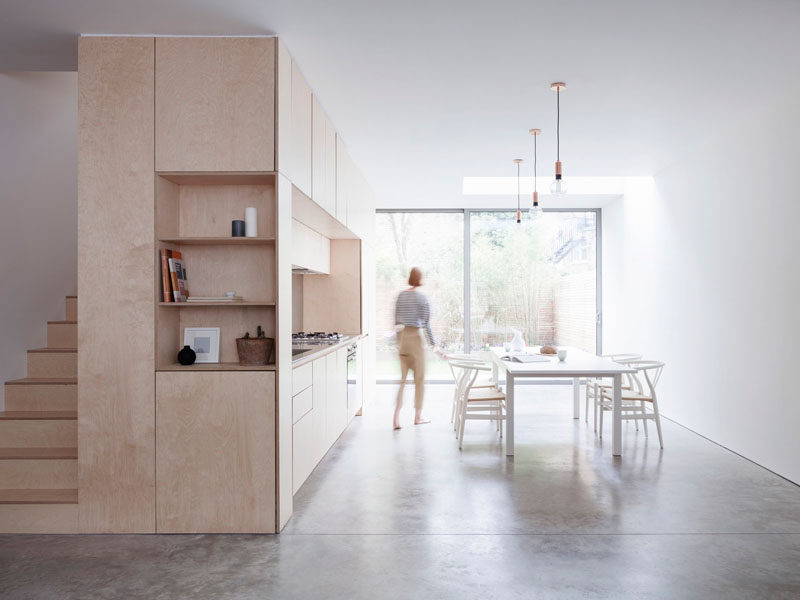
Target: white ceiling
<point>427,92</point>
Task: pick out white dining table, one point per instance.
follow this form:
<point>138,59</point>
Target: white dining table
<point>578,364</point>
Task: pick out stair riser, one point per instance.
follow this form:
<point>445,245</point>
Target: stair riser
<point>72,309</point>
<point>42,397</point>
<point>40,433</point>
<point>52,364</point>
<point>62,335</point>
<point>38,474</point>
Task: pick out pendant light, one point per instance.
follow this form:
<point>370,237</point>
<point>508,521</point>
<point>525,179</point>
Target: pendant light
<point>518,161</point>
<point>535,209</point>
<point>558,187</point>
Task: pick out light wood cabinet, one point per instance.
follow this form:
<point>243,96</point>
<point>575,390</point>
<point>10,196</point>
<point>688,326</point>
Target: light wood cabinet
<point>310,249</point>
<point>116,438</point>
<point>215,452</point>
<point>336,418</point>
<point>301,132</point>
<point>344,169</point>
<point>303,459</point>
<point>320,410</point>
<point>323,159</point>
<point>215,104</point>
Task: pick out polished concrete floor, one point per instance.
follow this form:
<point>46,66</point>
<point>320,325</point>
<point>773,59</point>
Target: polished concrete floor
<point>406,515</point>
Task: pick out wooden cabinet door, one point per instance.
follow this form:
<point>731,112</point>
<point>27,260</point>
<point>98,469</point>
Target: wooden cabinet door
<point>343,180</point>
<point>302,451</point>
<point>301,132</point>
<point>323,159</point>
<point>320,408</point>
<point>215,104</point>
<point>332,423</point>
<point>341,386</point>
<point>215,452</point>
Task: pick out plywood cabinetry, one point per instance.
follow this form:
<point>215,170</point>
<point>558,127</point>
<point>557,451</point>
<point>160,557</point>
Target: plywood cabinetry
<point>320,410</point>
<point>116,438</point>
<point>323,179</point>
<point>344,170</point>
<point>301,132</point>
<point>215,452</point>
<point>310,250</point>
<point>333,303</point>
<point>215,104</point>
<point>336,418</point>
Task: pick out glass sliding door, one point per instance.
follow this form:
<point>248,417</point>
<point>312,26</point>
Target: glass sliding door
<point>538,277</point>
<point>434,242</point>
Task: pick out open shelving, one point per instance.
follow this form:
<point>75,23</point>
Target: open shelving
<point>193,215</point>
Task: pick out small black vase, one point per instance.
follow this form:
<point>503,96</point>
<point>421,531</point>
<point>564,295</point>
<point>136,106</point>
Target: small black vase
<point>187,356</point>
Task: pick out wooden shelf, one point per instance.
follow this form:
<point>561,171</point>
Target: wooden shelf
<point>216,367</point>
<point>204,304</point>
<point>218,178</point>
<point>219,241</point>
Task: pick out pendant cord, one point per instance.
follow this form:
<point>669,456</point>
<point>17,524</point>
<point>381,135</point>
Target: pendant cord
<point>534,162</point>
<point>517,186</point>
<point>558,123</point>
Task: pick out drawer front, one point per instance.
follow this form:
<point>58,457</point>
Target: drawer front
<point>302,403</point>
<point>301,378</point>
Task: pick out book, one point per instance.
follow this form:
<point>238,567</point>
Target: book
<point>177,272</point>
<point>215,299</point>
<point>526,358</point>
<point>166,280</point>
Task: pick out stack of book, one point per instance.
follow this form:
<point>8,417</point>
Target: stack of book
<point>175,287</point>
<point>215,299</point>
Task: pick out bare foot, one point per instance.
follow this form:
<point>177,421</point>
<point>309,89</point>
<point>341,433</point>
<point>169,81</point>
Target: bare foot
<point>396,427</point>
<point>421,421</point>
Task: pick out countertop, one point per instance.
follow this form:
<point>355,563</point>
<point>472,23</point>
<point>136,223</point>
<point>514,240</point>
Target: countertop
<point>313,352</point>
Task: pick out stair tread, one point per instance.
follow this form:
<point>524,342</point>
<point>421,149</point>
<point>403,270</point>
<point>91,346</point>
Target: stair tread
<point>43,381</point>
<point>36,453</point>
<point>42,496</point>
<point>29,415</point>
<point>53,350</point>
<point>62,322</point>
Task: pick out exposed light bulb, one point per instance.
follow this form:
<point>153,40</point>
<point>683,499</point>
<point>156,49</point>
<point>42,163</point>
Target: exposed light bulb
<point>559,186</point>
<point>535,210</point>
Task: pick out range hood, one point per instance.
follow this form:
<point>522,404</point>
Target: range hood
<point>304,271</point>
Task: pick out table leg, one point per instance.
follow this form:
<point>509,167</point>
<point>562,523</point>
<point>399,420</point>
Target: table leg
<point>616,431</point>
<point>576,398</point>
<point>509,414</point>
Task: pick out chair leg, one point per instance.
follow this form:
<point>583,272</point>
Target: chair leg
<point>601,419</point>
<point>644,414</point>
<point>588,385</point>
<point>658,421</point>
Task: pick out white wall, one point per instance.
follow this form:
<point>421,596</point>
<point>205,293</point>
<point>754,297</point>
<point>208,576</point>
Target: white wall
<point>700,270</point>
<point>38,209</point>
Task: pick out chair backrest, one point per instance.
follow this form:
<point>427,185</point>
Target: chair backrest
<point>465,373</point>
<point>622,357</point>
<point>651,371</point>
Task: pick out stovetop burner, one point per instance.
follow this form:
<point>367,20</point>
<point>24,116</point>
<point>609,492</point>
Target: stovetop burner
<point>316,336</point>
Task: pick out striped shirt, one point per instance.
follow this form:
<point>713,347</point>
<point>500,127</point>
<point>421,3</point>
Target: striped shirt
<point>412,310</point>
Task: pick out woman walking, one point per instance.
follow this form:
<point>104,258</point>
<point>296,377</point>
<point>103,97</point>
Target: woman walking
<point>413,312</point>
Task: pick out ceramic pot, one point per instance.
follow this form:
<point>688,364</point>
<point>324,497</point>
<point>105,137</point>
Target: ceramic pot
<point>187,356</point>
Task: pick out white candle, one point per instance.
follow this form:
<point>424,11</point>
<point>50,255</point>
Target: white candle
<point>251,222</point>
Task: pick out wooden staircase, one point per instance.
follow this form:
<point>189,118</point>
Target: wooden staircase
<point>39,437</point>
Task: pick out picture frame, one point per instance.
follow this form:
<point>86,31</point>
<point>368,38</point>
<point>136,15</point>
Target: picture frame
<point>204,341</point>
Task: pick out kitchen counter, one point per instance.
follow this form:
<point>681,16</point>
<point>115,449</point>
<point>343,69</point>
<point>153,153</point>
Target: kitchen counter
<point>314,351</point>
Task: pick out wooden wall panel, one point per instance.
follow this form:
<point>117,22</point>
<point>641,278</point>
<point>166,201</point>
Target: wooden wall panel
<point>333,302</point>
<point>116,477</point>
<point>215,104</point>
<point>216,452</point>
